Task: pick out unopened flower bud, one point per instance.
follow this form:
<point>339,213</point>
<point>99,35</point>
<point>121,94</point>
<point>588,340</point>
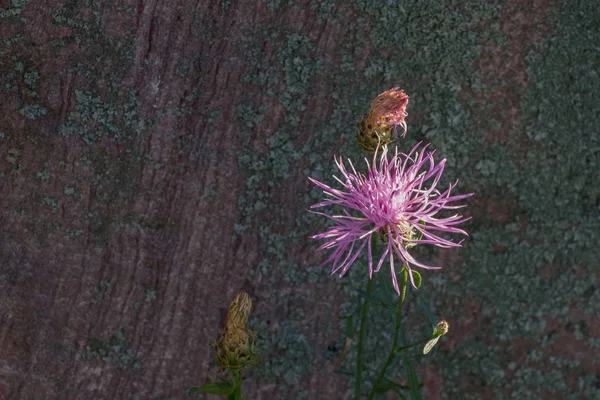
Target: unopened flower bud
<point>441,328</point>
<point>379,126</point>
<point>235,347</point>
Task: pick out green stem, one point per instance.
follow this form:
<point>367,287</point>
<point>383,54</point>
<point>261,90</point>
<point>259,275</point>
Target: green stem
<point>237,384</point>
<point>393,352</point>
<point>361,342</point>
<point>401,349</point>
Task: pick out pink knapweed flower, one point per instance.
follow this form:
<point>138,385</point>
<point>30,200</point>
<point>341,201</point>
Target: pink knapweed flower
<point>397,199</point>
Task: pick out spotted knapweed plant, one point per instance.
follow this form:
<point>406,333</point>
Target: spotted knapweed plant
<point>397,202</point>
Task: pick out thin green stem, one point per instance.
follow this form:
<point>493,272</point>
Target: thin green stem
<point>237,384</point>
<point>408,346</point>
<point>393,352</point>
<point>361,341</point>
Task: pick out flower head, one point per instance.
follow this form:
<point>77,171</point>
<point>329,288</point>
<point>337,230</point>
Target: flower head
<point>387,112</point>
<point>235,347</point>
<point>398,200</point>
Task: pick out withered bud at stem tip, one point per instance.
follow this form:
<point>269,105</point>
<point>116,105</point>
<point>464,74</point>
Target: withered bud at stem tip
<point>235,346</point>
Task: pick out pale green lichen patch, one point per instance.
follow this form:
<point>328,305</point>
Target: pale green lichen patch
<point>114,350</point>
<point>33,111</point>
<point>93,118</point>
<point>288,340</point>
<point>22,81</point>
<point>14,10</point>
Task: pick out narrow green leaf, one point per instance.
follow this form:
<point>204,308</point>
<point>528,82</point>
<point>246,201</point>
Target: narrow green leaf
<point>220,388</point>
<point>383,389</point>
<point>393,386</point>
<point>429,345</point>
<point>433,320</point>
<point>413,382</point>
<point>397,385</point>
<point>388,385</point>
<point>417,278</point>
<point>370,297</point>
<point>388,296</point>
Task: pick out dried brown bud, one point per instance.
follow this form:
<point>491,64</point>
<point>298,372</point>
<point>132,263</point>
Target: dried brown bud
<point>235,347</point>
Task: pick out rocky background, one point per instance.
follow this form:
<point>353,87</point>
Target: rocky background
<point>154,159</point>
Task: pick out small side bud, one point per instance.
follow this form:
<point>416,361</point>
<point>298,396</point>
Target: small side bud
<point>441,328</point>
<point>234,348</point>
<point>379,126</point>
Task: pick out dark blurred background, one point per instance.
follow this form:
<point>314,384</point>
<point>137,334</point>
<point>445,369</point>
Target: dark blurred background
<point>154,159</point>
